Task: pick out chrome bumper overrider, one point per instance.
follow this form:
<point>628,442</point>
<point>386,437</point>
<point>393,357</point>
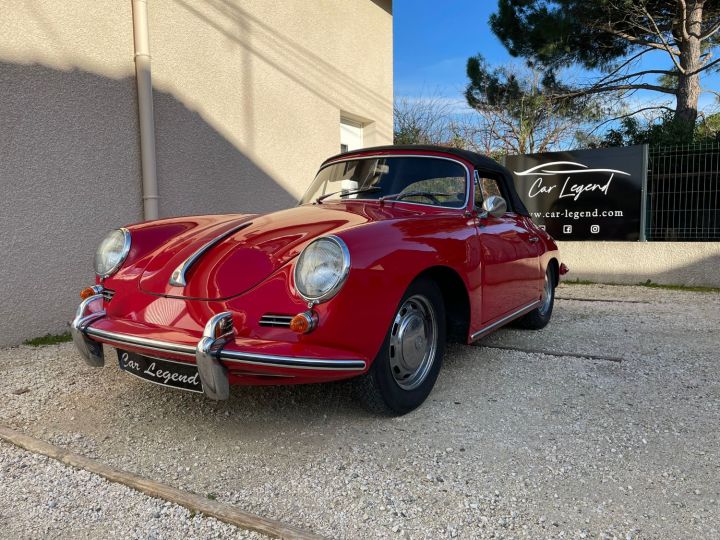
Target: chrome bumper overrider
<point>89,311</point>
<point>208,354</point>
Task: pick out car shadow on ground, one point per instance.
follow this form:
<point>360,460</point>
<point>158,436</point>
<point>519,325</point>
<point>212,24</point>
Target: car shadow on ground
<point>302,403</point>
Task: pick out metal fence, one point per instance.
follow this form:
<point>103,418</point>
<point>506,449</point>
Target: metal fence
<point>682,189</point>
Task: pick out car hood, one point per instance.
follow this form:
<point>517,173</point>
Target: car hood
<point>242,259</point>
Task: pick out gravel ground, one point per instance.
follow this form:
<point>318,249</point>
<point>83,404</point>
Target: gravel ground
<point>41,498</point>
<point>509,445</point>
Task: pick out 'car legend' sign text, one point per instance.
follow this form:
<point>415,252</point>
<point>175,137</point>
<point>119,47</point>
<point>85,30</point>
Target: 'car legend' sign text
<point>584,194</point>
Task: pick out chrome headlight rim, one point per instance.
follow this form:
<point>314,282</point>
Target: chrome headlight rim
<point>127,241</point>
<point>342,277</point>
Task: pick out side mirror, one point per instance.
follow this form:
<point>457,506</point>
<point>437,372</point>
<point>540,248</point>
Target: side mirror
<point>494,206</point>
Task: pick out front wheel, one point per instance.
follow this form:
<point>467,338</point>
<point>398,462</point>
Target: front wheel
<point>407,366</point>
<point>540,316</point>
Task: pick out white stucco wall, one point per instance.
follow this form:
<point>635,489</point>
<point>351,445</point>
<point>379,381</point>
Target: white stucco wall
<point>670,263</point>
<point>248,98</point>
<point>265,84</point>
<point>69,167</point>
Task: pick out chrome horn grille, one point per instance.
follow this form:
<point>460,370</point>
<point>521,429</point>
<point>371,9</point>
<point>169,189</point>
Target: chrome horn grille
<point>276,320</point>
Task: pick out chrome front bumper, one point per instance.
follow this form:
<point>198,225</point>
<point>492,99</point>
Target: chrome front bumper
<point>209,353</point>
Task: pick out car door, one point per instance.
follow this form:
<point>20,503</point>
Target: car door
<point>509,252</point>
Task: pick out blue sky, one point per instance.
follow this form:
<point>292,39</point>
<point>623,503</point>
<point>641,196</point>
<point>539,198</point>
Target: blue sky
<point>433,40</point>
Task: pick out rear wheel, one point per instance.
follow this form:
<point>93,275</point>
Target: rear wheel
<point>540,316</point>
<point>406,368</point>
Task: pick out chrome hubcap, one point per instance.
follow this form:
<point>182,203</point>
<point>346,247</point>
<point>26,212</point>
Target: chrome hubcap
<point>547,294</point>
<point>413,342</point>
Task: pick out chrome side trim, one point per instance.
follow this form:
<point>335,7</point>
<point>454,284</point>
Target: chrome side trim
<point>489,328</point>
<point>178,277</point>
<point>236,357</point>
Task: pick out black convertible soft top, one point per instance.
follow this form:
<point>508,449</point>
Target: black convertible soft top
<point>479,161</point>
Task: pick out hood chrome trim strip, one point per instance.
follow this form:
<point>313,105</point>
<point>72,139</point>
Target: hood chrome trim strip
<point>178,277</point>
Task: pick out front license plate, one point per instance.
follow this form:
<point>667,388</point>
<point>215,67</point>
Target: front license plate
<point>162,372</point>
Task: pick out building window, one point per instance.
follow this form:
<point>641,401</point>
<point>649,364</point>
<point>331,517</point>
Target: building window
<point>351,135</point>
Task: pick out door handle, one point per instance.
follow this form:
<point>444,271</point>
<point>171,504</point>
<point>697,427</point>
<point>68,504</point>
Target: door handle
<point>534,239</point>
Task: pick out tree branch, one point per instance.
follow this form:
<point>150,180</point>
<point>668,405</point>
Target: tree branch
<point>662,38</point>
<point>703,68</point>
<point>633,75</point>
<point>602,89</point>
<point>683,25</point>
<point>637,41</point>
<point>624,64</point>
<point>710,33</point>
<point>628,115</point>
<point>713,92</point>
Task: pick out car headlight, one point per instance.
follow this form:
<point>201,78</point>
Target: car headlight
<point>322,269</point>
<point>112,252</point>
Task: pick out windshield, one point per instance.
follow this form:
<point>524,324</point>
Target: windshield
<point>424,180</point>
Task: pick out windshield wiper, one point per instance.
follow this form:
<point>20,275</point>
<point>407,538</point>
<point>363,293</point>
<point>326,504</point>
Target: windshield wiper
<point>345,193</point>
<point>429,194</point>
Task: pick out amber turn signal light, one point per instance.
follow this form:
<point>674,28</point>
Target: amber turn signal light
<point>87,292</point>
<point>302,323</point>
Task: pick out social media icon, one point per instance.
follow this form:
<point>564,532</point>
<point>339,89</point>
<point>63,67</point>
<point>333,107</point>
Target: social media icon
<point>567,229</point>
<point>594,229</point>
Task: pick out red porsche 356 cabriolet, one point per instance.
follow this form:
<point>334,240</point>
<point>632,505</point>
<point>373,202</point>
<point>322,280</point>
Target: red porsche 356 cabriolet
<point>391,251</point>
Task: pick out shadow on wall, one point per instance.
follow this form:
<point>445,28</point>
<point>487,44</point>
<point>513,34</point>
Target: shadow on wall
<point>70,171</point>
<point>670,267</point>
<point>200,172</point>
<point>702,273</point>
<point>699,273</point>
<point>384,4</point>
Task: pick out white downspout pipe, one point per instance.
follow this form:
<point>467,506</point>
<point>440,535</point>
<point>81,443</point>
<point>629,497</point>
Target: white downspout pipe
<point>141,35</point>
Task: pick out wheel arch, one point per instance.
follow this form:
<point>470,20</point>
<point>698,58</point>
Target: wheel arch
<point>555,265</point>
<point>456,298</point>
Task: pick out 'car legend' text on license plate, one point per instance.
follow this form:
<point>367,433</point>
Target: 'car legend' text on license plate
<point>163,372</point>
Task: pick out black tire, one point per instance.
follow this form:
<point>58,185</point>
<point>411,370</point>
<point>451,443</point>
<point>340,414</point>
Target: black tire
<point>379,389</point>
<point>539,317</point>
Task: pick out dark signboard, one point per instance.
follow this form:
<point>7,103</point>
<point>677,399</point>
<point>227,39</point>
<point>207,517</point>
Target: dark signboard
<point>583,194</point>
